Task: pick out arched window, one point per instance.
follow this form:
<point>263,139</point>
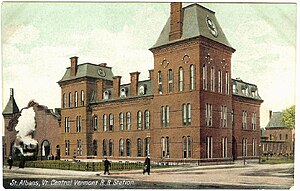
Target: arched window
<point>139,120</point>
<point>184,114</point>
<point>220,88</point>
<point>160,88</point>
<point>104,122</point>
<point>192,77</point>
<point>111,147</point>
<point>128,147</point>
<point>139,147</point>
<point>64,100</point>
<point>128,121</point>
<point>70,99</point>
<point>227,82</point>
<point>111,122</point>
<point>67,145</point>
<point>76,99</point>
<point>170,80</point>
<point>204,75</point>
<point>95,122</point>
<point>121,147</point>
<point>209,147</point>
<point>121,121</point>
<point>165,147</point>
<point>104,151</point>
<point>189,147</point>
<point>147,119</point>
<point>95,147</point>
<point>181,82</point>
<point>82,98</point>
<point>189,114</point>
<point>45,148</point>
<point>212,79</point>
<point>147,146</point>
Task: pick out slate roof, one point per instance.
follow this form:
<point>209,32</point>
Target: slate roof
<point>194,25</point>
<point>88,70</point>
<point>11,106</point>
<point>244,89</point>
<point>275,121</point>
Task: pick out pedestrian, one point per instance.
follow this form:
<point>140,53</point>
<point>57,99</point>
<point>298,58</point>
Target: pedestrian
<point>147,165</point>
<point>106,166</point>
<point>22,162</point>
<point>10,162</point>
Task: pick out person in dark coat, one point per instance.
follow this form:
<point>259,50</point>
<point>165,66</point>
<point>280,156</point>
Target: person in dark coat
<point>10,162</point>
<point>22,162</point>
<point>147,165</point>
<point>106,166</point>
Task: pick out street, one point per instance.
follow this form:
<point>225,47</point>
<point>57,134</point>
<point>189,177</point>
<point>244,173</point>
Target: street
<point>236,176</point>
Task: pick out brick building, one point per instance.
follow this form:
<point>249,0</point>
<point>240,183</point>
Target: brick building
<point>277,138</point>
<point>188,110</point>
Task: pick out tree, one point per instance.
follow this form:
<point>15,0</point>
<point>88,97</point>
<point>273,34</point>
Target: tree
<point>288,117</point>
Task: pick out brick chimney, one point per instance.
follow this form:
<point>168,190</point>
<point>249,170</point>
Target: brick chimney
<point>151,74</point>
<point>270,114</point>
<point>11,92</point>
<point>99,89</point>
<point>134,79</point>
<point>74,61</point>
<point>175,21</point>
<point>116,86</point>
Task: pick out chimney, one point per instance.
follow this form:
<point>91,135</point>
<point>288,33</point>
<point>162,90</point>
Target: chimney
<point>134,79</point>
<point>11,92</point>
<point>175,21</point>
<point>99,89</point>
<point>74,61</point>
<point>103,64</point>
<point>116,86</point>
<point>151,74</point>
<point>270,114</point>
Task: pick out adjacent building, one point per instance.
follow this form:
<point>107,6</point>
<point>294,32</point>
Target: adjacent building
<point>190,109</point>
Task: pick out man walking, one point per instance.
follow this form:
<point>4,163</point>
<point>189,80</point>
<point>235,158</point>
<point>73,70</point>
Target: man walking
<point>106,166</point>
<point>147,165</point>
<point>10,162</point>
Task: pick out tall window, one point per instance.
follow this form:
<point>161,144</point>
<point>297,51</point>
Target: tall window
<point>67,125</point>
<point>189,114</point>
<point>128,145</point>
<point>212,79</point>
<point>82,97</point>
<point>186,114</point>
<point>76,99</point>
<point>121,147</point>
<point>244,119</point>
<point>95,122</point>
<point>78,124</point>
<point>110,147</point>
<point>121,121</point>
<point>192,77</point>
<point>232,118</point>
<point>95,147</point>
<point>223,116</point>
<point>245,147</point>
<point>209,147</point>
<point>147,146</point>
<point>128,121</point>
<point>220,89</point>
<point>224,147</point>
<point>147,119</point>
<point>254,147</point>
<point>111,122</point>
<point>104,120</point>
<point>64,100</point>
<point>170,79</point>
<point>227,83</point>
<point>204,75</point>
<point>180,79</point>
<point>208,114</point>
<point>165,116</point>
<point>253,121</point>
<point>139,147</point>
<point>67,144</point>
<point>70,99</point>
<point>79,148</point>
<point>187,150</point>
<point>165,147</point>
<point>160,87</point>
<point>139,120</point>
<point>104,148</point>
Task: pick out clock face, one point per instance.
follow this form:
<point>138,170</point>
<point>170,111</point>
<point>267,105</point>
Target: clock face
<point>212,27</point>
<point>101,72</point>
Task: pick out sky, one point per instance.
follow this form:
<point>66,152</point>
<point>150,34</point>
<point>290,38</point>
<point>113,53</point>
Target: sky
<point>39,38</point>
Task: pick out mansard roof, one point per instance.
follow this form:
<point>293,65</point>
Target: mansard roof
<point>276,121</point>
<point>89,70</point>
<point>244,89</point>
<point>11,106</point>
<point>194,24</point>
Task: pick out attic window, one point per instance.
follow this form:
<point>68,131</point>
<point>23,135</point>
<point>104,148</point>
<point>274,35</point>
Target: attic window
<point>106,94</point>
<point>142,89</point>
<point>123,93</point>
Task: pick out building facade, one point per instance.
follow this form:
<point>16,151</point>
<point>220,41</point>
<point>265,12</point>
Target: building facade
<point>190,109</point>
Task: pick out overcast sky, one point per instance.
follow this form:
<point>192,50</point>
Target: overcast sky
<point>39,38</point>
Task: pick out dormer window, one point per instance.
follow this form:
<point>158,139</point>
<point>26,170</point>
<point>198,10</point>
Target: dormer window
<point>106,94</point>
<point>142,89</point>
<point>123,92</point>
